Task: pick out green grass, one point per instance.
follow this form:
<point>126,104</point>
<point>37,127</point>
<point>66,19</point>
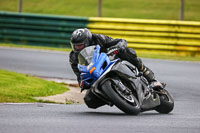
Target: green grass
<point>16,87</point>
<point>145,9</point>
<point>139,53</point>
<point>169,57</point>
<point>34,47</point>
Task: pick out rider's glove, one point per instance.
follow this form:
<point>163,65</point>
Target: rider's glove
<point>120,47</point>
<point>113,51</point>
<point>83,86</point>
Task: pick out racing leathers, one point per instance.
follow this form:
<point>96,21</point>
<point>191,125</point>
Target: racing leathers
<point>125,53</point>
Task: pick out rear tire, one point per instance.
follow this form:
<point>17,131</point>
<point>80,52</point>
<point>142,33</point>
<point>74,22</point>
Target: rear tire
<point>166,103</point>
<point>119,101</point>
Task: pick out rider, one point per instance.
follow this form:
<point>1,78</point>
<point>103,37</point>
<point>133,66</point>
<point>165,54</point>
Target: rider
<point>82,38</point>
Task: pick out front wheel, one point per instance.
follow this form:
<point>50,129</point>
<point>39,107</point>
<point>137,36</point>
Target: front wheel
<point>124,101</point>
<point>166,103</point>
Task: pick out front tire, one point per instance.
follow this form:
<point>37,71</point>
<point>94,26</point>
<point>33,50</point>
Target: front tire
<point>166,103</point>
<point>122,103</point>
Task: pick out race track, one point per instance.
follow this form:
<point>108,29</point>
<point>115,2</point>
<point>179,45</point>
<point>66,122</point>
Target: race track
<point>182,80</point>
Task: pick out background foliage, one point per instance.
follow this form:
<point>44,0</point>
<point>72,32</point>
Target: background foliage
<point>145,9</point>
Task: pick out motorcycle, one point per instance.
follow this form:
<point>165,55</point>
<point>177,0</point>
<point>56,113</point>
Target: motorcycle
<point>118,82</point>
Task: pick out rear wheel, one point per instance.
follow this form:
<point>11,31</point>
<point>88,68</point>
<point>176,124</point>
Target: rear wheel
<point>166,103</point>
<point>124,100</point>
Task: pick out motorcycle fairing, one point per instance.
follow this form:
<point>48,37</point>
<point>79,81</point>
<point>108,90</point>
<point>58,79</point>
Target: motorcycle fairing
<point>125,70</point>
<point>98,65</point>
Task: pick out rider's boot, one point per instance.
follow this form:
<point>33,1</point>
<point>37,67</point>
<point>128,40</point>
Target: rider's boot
<point>149,75</point>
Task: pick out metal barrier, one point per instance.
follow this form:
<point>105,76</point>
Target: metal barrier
<point>152,36</point>
<point>155,36</point>
<point>38,29</point>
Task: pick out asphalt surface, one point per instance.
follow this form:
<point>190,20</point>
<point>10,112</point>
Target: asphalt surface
<point>182,80</point>
<point>34,62</point>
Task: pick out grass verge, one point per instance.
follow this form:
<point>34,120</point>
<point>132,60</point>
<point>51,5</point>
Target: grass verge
<point>146,9</point>
<point>34,47</point>
<point>140,54</point>
<point>16,87</point>
<point>169,57</point>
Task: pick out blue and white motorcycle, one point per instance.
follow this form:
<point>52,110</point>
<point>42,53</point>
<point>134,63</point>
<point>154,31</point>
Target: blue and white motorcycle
<point>118,82</point>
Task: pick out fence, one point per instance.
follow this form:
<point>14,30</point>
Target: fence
<point>38,29</point>
<point>152,36</point>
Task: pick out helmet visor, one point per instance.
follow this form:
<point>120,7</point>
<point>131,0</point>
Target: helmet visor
<point>79,47</point>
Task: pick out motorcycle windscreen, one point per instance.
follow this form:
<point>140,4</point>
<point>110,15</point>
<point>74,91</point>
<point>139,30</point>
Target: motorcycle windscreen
<point>85,56</point>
